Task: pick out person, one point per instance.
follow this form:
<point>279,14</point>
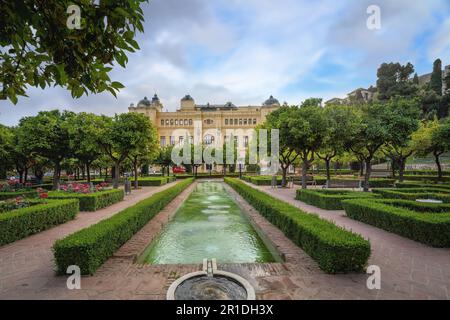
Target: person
<point>274,182</point>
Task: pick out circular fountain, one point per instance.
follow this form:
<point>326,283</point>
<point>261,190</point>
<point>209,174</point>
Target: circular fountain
<point>211,284</point>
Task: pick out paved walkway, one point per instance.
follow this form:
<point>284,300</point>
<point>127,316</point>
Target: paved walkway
<point>409,269</point>
<point>27,266</point>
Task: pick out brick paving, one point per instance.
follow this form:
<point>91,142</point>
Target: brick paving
<point>409,270</point>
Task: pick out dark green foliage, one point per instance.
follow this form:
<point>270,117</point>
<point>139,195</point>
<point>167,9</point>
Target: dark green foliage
<point>91,247</point>
<point>20,223</point>
<point>413,194</point>
<point>421,185</point>
<point>155,181</point>
<point>407,219</point>
<point>436,77</point>
<point>329,199</point>
<point>334,249</point>
<point>10,195</point>
<point>425,178</point>
<point>91,201</point>
<point>261,180</point>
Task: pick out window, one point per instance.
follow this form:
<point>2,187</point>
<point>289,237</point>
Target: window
<point>176,122</point>
<point>181,122</point>
<point>191,139</point>
<point>167,122</point>
<point>226,121</point>
<point>185,122</point>
<point>172,140</point>
<point>209,139</point>
<point>254,121</point>
<point>240,122</point>
<point>245,122</point>
<point>236,142</point>
<point>171,122</point>
<point>162,122</point>
<point>180,140</point>
<point>235,122</point>
<point>245,141</point>
<point>249,121</point>
<point>190,122</point>
<point>208,121</point>
<point>163,141</point>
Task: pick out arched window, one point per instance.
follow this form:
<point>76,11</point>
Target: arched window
<point>209,139</point>
<point>208,121</point>
<point>171,122</point>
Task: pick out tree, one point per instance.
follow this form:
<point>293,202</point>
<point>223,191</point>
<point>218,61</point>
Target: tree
<point>341,128</point>
<point>432,137</point>
<point>416,79</point>
<point>121,135</point>
<point>39,45</point>
<point>47,135</point>
<point>400,147</point>
<point>307,134</point>
<point>378,124</point>
<point>393,80</point>
<point>82,130</point>
<point>164,158</point>
<point>6,144</point>
<point>279,119</point>
<point>436,77</point>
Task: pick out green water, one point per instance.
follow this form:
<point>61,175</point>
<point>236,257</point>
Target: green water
<point>209,224</point>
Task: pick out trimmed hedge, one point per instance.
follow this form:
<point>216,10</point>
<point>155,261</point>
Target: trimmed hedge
<point>20,223</point>
<point>329,199</point>
<point>91,201</point>
<point>153,181</point>
<point>381,183</point>
<point>430,228</point>
<point>415,193</point>
<point>10,195</point>
<point>261,180</point>
<point>426,172</point>
<point>91,247</point>
<point>335,249</point>
<point>409,184</point>
<point>419,177</point>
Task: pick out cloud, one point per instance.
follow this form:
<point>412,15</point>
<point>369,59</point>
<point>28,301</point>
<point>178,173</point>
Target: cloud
<point>243,51</point>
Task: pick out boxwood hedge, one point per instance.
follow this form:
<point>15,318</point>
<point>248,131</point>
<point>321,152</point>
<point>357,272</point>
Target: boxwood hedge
<point>91,247</point>
<point>420,177</point>
<point>329,199</point>
<point>20,223</point>
<point>335,249</point>
<point>10,195</point>
<point>91,201</point>
<point>415,193</point>
<point>411,184</point>
<point>406,218</point>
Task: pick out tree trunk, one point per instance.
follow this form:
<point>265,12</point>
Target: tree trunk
<point>284,174</point>
<point>367,176</point>
<point>56,173</point>
<point>393,162</point>
<point>20,172</point>
<point>25,177</point>
<point>88,170</point>
<point>361,168</point>
<point>401,171</point>
<point>438,164</point>
<point>116,175</point>
<point>304,174</point>
<point>327,166</point>
<point>136,186</point>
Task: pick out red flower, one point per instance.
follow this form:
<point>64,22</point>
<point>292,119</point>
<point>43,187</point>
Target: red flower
<point>43,195</point>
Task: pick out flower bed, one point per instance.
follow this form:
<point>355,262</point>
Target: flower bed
<point>426,223</point>
<point>335,249</point>
<point>91,247</point>
<point>415,193</point>
<point>329,199</point>
<point>20,223</point>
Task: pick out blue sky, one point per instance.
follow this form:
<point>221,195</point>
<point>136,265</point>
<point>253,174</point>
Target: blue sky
<point>245,50</point>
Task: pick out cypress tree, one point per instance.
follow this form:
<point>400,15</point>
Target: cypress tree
<point>436,77</point>
<point>416,79</point>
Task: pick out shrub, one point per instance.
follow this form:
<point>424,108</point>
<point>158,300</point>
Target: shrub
<point>20,223</point>
<point>410,184</point>
<point>415,193</point>
<point>420,177</point>
<point>152,181</point>
<point>335,249</point>
<point>380,183</point>
<point>329,199</point>
<point>403,218</point>
<point>24,193</point>
<point>91,247</point>
<point>91,201</point>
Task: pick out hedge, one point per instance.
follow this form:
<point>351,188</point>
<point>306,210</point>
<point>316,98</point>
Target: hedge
<point>381,183</point>
<point>89,248</point>
<point>409,184</point>
<point>10,195</point>
<point>426,172</point>
<point>335,249</point>
<point>91,201</point>
<point>415,193</point>
<point>429,228</point>
<point>153,181</point>
<point>426,178</point>
<point>20,223</point>
<point>329,199</point>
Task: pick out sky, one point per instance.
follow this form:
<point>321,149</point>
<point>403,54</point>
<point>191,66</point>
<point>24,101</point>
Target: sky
<point>243,51</point>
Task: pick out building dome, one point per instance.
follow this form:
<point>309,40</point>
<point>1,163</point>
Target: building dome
<point>271,101</point>
<point>187,98</point>
<point>155,99</point>
<point>144,102</point>
<point>229,105</point>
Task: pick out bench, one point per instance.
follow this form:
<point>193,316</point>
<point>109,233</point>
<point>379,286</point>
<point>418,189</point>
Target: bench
<point>380,174</point>
<point>343,183</point>
<point>297,180</point>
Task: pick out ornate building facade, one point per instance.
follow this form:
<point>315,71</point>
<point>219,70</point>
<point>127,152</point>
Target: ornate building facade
<point>216,122</point>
